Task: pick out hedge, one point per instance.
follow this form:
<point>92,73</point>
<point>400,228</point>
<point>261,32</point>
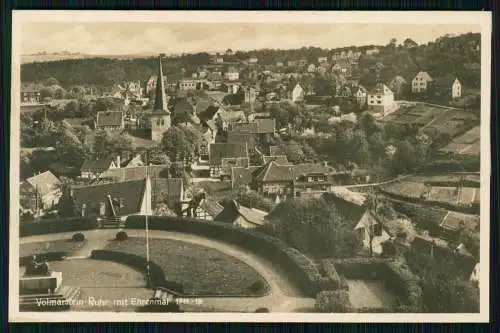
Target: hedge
<point>302,270</point>
<point>157,276</point>
<point>396,275</point>
<point>333,302</point>
<point>57,226</point>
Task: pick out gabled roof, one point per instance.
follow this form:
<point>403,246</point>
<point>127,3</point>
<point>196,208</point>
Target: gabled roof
<point>380,89</point>
<point>241,176</point>
<point>276,150</point>
<point>273,172</point>
<point>202,105</point>
<point>310,168</point>
<point>232,210</point>
<point>135,173</point>
<point>398,80</point>
<point>130,193</point>
<point>45,182</point>
<point>208,113</point>
<point>241,138</point>
<point>424,75</point>
<point>109,118</point>
<point>213,208</point>
<point>99,165</point>
<point>250,127</point>
<point>218,151</point>
<point>228,163</point>
<point>280,159</point>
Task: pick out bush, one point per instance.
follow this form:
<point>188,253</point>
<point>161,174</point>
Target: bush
<point>121,236</point>
<point>333,301</point>
<point>257,286</point>
<point>262,310</point>
<point>78,237</point>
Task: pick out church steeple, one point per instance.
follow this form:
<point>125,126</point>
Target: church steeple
<point>160,105</point>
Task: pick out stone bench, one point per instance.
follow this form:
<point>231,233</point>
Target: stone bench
<point>40,284</point>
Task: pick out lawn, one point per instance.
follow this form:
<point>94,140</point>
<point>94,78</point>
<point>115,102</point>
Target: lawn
<point>443,194</point>
<point>370,294</point>
<point>63,245</point>
<point>203,271</point>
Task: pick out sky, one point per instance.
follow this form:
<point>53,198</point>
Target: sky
<point>113,38</point>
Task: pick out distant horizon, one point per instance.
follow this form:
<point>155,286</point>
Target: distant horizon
<point>140,38</point>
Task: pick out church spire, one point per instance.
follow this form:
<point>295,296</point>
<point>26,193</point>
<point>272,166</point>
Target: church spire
<point>160,105</point>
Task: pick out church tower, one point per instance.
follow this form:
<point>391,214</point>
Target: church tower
<point>159,120</point>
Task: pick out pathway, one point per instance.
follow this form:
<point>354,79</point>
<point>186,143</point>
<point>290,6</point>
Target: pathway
<point>282,297</point>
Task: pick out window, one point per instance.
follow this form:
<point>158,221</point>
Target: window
<point>379,102</point>
<point>377,229</point>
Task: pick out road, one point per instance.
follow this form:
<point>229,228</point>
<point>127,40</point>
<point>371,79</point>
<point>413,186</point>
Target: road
<point>282,297</point>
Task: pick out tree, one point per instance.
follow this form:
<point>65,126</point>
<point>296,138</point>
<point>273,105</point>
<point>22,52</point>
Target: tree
<point>157,157</point>
<point>51,81</point>
<point>294,152</point>
<point>176,145</point>
<point>315,227</point>
<point>405,158</point>
<point>106,143</point>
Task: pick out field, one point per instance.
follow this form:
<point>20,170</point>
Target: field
<point>202,271</point>
<point>443,194</point>
<point>406,189</point>
<point>63,245</point>
<point>450,179</point>
<point>434,119</point>
<point>467,144</point>
<point>467,195</point>
<point>455,221</point>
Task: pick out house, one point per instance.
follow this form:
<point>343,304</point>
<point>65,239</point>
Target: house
<point>186,85</point>
<point>134,161</point>
<point>114,200</point>
<point>94,169</point>
<point>290,63</point>
<point>158,122</point>
<point>273,178</point>
<point>241,216</point>
<point>218,151</point>
<point>353,208</point>
<point>110,120</point>
<point>228,164</point>
<point>344,91</point>
<point>357,54</point>
<point>40,192</point>
<point>232,74</point>
<point>372,51</point>
<point>421,83</point>
<point>474,277</point>
<point>298,94</point>
<point>279,64</point>
<point>152,81</point>
<point>135,173</point>
<point>448,86</point>
<point>30,97</point>
<point>253,60</point>
<point>360,94</point>
<point>208,209</point>
<point>409,43</point>
<point>398,85</point>
<point>276,151</point>
<point>322,60</point>
<point>350,54</point>
<point>381,99</point>
<point>343,54</point>
<point>336,56</point>
<point>311,68</point>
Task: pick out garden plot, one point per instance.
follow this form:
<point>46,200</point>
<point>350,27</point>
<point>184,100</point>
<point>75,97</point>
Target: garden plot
<point>477,196</point>
<point>443,194</point>
<point>455,221</point>
<point>202,271</point>
<point>467,144</point>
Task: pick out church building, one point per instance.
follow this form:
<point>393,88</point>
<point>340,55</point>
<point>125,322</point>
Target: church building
<point>159,120</point>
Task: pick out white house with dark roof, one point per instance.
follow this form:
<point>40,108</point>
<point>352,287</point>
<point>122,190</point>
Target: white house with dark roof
<point>114,200</point>
<point>40,192</point>
<point>381,99</point>
<point>298,93</point>
<point>421,82</point>
<point>241,216</point>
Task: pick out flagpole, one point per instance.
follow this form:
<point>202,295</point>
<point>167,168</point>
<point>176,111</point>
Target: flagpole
<point>147,222</point>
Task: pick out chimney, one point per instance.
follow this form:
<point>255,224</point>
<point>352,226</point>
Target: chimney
<point>325,163</point>
<point>84,208</point>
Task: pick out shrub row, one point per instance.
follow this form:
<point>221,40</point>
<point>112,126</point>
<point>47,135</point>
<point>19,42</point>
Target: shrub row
<point>333,278</point>
<point>298,267</point>
<point>57,225</point>
<point>396,275</point>
<point>157,276</point>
